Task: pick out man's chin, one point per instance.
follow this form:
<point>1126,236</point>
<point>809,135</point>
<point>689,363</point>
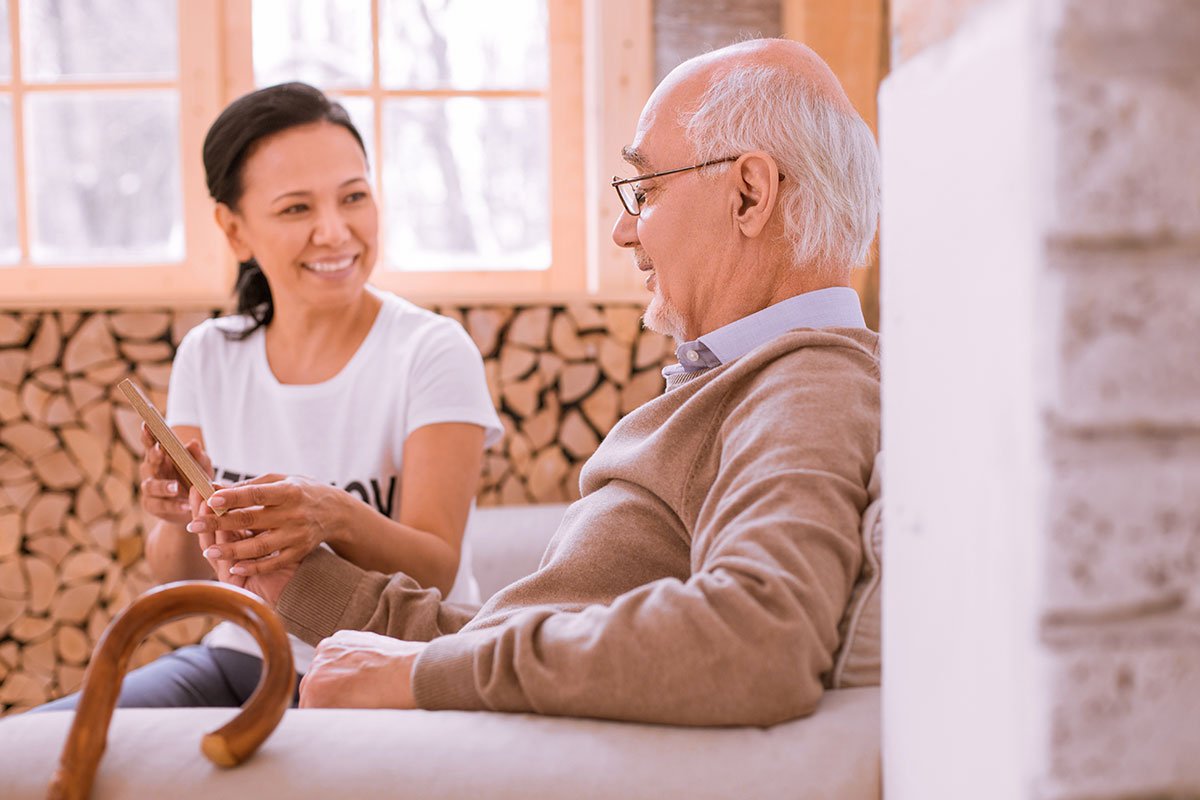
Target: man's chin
<point>662,317</point>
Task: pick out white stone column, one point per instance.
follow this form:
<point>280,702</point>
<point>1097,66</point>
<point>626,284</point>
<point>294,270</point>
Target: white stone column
<point>1041,323</point>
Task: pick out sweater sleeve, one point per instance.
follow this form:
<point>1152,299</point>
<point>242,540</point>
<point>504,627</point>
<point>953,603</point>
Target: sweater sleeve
<point>745,640</point>
<point>328,594</point>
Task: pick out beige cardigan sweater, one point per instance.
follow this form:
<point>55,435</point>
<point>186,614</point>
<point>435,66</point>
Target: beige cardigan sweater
<point>698,581</point>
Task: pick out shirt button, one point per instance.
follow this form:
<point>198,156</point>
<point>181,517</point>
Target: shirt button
<point>693,355</point>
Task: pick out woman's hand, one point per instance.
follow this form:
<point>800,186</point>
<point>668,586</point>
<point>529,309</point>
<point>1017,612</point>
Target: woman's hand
<point>164,492</point>
<point>289,515</point>
<point>269,586</point>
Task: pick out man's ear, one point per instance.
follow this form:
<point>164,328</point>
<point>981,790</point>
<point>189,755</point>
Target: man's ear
<point>757,178</point>
<point>231,225</point>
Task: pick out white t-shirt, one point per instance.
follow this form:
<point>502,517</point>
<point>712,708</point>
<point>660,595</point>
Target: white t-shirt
<point>414,368</point>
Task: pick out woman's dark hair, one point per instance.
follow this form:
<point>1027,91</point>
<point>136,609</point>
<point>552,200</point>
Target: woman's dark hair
<point>231,139</point>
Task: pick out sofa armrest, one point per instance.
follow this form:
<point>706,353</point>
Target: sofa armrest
<point>444,754</point>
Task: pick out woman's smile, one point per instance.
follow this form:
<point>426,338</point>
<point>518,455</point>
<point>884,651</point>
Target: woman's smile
<point>332,267</point>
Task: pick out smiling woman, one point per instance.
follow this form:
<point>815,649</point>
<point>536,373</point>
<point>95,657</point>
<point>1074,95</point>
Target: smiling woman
<point>294,205</point>
<point>318,388</point>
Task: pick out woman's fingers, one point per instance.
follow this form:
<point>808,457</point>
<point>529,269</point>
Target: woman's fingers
<point>154,460</point>
<point>254,519</point>
<point>210,543</point>
<point>271,562</point>
<point>158,487</point>
<point>163,494</point>
<point>262,545</point>
<point>172,510</point>
<point>265,490</point>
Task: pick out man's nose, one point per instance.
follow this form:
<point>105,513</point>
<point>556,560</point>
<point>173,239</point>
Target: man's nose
<point>331,228</point>
<point>624,231</point>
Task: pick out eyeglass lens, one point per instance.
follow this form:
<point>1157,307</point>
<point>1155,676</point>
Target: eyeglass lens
<point>629,198</point>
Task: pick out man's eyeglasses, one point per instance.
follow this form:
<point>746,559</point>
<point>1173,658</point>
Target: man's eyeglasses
<point>632,196</point>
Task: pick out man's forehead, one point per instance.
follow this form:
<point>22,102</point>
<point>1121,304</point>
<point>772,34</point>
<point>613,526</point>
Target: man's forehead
<point>660,134</point>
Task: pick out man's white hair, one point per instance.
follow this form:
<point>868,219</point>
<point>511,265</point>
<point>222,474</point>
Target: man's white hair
<point>830,196</point>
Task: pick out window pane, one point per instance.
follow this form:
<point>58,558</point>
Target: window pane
<point>322,42</point>
<point>463,44</point>
<point>98,40</point>
<point>103,171</point>
<point>362,114</point>
<point>466,182</point>
<point>5,45</point>
<point>10,248</point>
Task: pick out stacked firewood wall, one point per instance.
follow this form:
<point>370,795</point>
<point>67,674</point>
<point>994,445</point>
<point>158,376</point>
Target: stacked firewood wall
<point>70,524</point>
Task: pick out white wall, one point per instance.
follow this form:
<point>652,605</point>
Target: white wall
<point>1041,323</point>
<point>961,429</point>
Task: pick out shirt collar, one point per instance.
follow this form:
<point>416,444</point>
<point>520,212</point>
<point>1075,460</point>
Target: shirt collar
<point>836,307</point>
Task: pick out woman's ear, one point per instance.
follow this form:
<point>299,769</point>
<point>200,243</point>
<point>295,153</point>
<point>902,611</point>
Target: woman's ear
<point>231,225</point>
<point>757,179</point>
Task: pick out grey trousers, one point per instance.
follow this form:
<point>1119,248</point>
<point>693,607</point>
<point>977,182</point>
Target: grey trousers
<point>190,676</point>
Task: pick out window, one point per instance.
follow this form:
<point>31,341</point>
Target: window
<point>93,146</point>
<point>491,169</point>
<point>453,97</point>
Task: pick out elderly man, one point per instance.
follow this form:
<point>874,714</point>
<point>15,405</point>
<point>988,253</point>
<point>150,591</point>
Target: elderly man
<point>701,577</point>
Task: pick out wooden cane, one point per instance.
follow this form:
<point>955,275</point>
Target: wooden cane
<point>228,746</point>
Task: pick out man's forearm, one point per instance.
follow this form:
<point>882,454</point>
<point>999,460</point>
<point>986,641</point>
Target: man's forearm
<point>328,594</point>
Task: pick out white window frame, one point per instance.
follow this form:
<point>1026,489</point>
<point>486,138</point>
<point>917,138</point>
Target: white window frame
<point>601,73</point>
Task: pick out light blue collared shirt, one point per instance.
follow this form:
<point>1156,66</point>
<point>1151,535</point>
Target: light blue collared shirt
<point>837,307</point>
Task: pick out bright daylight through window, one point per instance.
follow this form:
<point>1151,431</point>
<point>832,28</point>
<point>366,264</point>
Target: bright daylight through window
<point>452,97</point>
<point>89,134</point>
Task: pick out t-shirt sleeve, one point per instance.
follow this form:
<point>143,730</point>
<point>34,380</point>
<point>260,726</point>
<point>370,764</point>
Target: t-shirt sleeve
<point>183,389</point>
<point>449,384</point>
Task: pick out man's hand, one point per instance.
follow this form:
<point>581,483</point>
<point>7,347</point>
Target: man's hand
<point>354,669</point>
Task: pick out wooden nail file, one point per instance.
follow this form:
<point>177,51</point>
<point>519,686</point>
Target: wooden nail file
<point>192,472</point>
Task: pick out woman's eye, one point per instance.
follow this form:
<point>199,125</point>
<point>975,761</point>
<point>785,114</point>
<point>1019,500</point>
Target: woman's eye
<point>298,208</point>
<point>355,197</point>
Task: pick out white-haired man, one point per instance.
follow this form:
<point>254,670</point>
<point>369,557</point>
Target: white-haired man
<point>701,577</point>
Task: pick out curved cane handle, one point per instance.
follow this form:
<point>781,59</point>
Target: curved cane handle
<point>228,746</point>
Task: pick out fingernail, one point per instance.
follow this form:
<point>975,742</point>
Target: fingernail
<point>212,552</point>
<point>195,527</point>
<point>237,569</point>
<point>173,487</point>
<point>215,502</point>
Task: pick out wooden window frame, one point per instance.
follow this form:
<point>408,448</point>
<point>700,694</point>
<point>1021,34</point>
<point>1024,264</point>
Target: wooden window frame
<point>852,36</point>
<point>601,73</point>
<point>203,275</point>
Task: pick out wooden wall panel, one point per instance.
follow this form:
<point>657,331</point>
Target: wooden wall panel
<point>71,528</point>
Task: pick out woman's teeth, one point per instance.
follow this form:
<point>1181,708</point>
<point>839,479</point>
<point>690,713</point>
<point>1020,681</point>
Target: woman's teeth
<point>330,266</point>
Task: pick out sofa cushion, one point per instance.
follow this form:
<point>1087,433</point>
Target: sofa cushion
<point>858,660</point>
<point>507,542</point>
<point>321,753</point>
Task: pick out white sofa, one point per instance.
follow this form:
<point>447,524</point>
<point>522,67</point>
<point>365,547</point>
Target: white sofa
<point>155,753</point>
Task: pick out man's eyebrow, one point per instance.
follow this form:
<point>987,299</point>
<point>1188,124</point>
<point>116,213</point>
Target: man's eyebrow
<point>635,157</point>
